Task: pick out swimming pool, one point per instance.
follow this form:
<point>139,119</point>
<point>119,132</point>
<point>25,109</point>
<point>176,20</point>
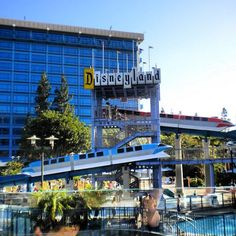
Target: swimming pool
<point>222,225</point>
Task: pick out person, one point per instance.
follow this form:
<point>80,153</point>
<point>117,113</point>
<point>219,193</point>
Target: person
<point>151,217</point>
<point>152,214</point>
<point>178,203</point>
<point>37,230</point>
<point>61,230</point>
<point>113,207</point>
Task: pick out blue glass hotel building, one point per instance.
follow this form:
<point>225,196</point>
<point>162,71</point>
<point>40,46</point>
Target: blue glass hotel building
<point>27,49</point>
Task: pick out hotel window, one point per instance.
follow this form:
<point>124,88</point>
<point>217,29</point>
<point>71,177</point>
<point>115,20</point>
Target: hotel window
<point>70,51</point>
<point>4,154</point>
<point>4,120</point>
<point>72,80</point>
<point>54,59</point>
<point>71,60</point>
<point>73,90</point>
<point>38,58</point>
<point>4,131</point>
<point>71,39</point>
<point>5,44</point>
<point>56,79</point>
<point>85,52</point>
<point>5,55</point>
<point>85,111</point>
<point>19,120</point>
<point>21,77</point>
<point>38,68</point>
<point>55,69</point>
<point>86,40</point>
<point>17,131</point>
<point>6,33</point>
<point>4,142</point>
<point>5,76</point>
<point>20,109</point>
<point>70,70</point>
<point>21,66</point>
<point>5,98</point>
<point>20,98</point>
<point>37,47</point>
<point>54,49</point>
<point>5,87</point>
<point>22,46</point>
<point>4,109</point>
<point>5,65</point>
<point>20,87</point>
<point>35,78</point>
<point>55,37</point>
<point>21,56</point>
<point>39,36</point>
<point>22,34</point>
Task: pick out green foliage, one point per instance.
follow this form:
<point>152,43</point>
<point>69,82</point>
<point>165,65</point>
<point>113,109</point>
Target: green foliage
<point>94,199</point>
<point>194,171</point>
<point>12,168</point>
<point>62,97</point>
<point>73,135</point>
<point>168,139</point>
<point>111,137</point>
<point>225,179</point>
<point>196,182</point>
<point>43,92</point>
<point>54,206</point>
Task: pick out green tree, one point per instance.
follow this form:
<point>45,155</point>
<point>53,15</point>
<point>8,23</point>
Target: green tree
<point>12,168</point>
<point>52,205</point>
<point>73,135</point>
<point>43,92</point>
<point>62,97</point>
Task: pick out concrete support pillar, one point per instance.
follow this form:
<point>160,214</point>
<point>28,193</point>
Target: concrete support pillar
<point>126,180</point>
<point>94,181</point>
<point>155,116</point>
<point>98,133</point>
<point>208,168</point>
<point>179,184</point>
<point>28,187</point>
<point>157,177</point>
<point>69,184</point>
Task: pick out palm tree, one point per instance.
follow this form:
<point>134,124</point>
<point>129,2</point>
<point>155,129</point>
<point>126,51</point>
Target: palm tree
<point>52,205</point>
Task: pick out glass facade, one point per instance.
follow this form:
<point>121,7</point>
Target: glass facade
<point>25,53</point>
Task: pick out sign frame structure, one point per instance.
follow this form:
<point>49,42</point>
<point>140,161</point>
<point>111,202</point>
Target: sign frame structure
<point>89,78</point>
<point>94,79</point>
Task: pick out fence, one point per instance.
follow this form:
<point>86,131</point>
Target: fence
<point>18,219</point>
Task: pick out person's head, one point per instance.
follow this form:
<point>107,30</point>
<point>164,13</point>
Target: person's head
<point>37,230</point>
<point>179,195</point>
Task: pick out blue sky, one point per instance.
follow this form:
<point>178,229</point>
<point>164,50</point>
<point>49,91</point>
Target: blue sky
<point>194,42</point>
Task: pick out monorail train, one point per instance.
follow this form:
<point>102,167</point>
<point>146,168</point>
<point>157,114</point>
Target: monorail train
<point>102,158</point>
<point>181,121</point>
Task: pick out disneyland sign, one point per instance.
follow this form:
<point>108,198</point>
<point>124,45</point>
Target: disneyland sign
<point>127,80</point>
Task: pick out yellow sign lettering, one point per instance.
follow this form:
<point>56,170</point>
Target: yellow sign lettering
<point>88,78</point>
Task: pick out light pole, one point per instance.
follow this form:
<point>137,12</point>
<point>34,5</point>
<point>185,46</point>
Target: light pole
<point>144,63</point>
<point>149,56</point>
<point>51,140</point>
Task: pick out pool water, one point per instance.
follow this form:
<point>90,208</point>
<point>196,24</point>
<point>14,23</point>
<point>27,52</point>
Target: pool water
<point>224,225</point>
